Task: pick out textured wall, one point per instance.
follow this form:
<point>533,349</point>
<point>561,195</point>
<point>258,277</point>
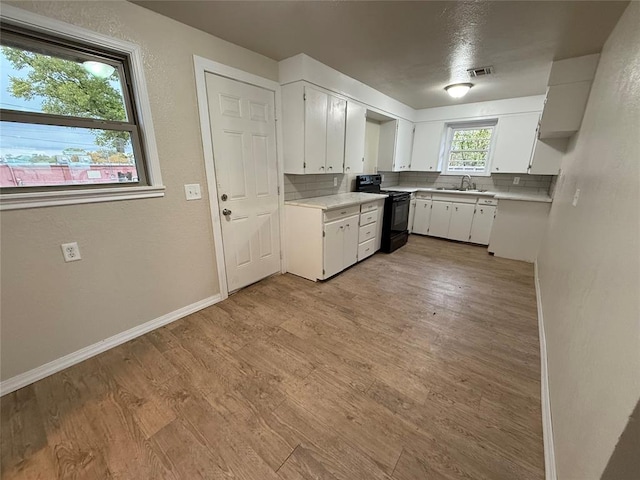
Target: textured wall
<point>141,258</point>
<point>589,268</point>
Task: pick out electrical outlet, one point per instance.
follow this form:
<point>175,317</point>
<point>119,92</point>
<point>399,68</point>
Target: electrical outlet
<point>576,196</point>
<point>71,252</point>
<point>192,191</point>
<point>516,180</point>
<point>335,181</point>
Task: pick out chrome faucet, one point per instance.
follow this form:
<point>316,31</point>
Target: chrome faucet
<point>468,179</point>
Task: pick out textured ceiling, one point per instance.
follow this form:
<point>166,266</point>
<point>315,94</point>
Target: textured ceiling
<point>411,50</point>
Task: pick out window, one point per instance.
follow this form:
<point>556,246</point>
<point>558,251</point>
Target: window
<point>66,116</point>
<point>72,109</point>
<point>468,149</point>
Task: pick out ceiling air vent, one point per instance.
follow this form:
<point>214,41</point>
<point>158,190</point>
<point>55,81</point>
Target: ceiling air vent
<point>480,71</point>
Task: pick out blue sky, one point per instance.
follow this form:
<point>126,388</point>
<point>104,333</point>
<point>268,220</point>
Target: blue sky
<point>17,139</point>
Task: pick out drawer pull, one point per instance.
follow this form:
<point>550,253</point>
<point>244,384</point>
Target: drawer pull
<point>366,250</point>
<point>367,233</point>
<point>342,213</point>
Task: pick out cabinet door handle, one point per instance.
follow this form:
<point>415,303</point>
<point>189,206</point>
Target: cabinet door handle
<point>447,207</point>
<point>330,168</point>
<point>348,168</point>
<point>321,168</point>
<point>456,209</point>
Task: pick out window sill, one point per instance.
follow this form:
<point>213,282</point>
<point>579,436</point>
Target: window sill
<point>16,201</point>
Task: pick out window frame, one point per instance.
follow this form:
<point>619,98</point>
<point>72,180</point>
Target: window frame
<point>451,129</point>
<point>64,35</point>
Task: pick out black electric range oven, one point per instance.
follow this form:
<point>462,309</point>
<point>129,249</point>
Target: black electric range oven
<point>395,223</point>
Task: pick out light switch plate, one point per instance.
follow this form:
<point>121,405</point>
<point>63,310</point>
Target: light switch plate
<point>71,252</point>
<point>192,191</point>
<point>335,181</point>
<point>516,180</point>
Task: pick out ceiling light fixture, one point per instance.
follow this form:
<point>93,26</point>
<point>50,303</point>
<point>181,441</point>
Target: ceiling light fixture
<point>98,69</point>
<point>458,90</point>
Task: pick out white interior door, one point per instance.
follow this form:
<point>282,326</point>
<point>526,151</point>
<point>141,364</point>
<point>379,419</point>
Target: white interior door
<point>244,149</point>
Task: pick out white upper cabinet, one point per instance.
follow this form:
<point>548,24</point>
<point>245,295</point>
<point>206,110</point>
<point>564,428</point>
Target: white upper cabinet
<point>567,94</point>
<point>427,145</point>
<point>404,145</point>
<point>547,155</point>
<point>355,138</point>
<point>395,144</point>
<point>387,146</point>
<point>515,138</point>
<point>313,127</point>
<point>336,124</point>
<point>315,130</point>
<point>564,109</point>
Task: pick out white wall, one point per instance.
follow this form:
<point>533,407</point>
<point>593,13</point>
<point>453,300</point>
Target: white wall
<point>589,267</point>
<point>141,258</point>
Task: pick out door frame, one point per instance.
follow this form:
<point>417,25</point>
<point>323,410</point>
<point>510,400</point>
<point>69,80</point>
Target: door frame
<point>202,67</point>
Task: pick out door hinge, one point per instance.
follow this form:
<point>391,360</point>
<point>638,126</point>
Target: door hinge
<point>323,271</point>
<point>304,97</point>
<point>324,234</point>
<point>278,189</point>
<point>474,210</point>
<point>304,165</point>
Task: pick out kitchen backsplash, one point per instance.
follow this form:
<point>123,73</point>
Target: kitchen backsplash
<point>307,186</point>
<point>501,182</point>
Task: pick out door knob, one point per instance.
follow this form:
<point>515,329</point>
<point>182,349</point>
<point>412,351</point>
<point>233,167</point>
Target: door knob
<point>226,212</point>
<point>224,197</point>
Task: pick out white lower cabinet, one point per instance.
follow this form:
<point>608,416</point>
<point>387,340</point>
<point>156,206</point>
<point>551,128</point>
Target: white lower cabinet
<point>340,245</point>
<point>322,243</point>
<point>482,224</point>
<point>370,229</point>
<point>422,216</point>
<point>440,219</point>
<point>412,212</point>
<point>366,249</point>
<point>461,220</point>
<point>467,219</point>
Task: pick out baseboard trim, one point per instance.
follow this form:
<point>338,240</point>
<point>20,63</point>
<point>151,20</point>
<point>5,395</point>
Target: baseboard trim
<point>38,373</point>
<point>547,426</point>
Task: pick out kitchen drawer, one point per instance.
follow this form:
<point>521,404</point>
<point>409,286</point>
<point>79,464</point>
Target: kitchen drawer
<point>368,217</point>
<point>487,201</point>
<point>367,232</point>
<point>367,207</point>
<point>366,249</point>
<point>338,213</point>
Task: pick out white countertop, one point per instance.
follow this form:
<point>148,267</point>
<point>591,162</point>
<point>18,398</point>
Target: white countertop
<point>336,201</point>
<point>524,197</point>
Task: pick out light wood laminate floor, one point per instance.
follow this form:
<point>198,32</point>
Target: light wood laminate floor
<point>422,364</point>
